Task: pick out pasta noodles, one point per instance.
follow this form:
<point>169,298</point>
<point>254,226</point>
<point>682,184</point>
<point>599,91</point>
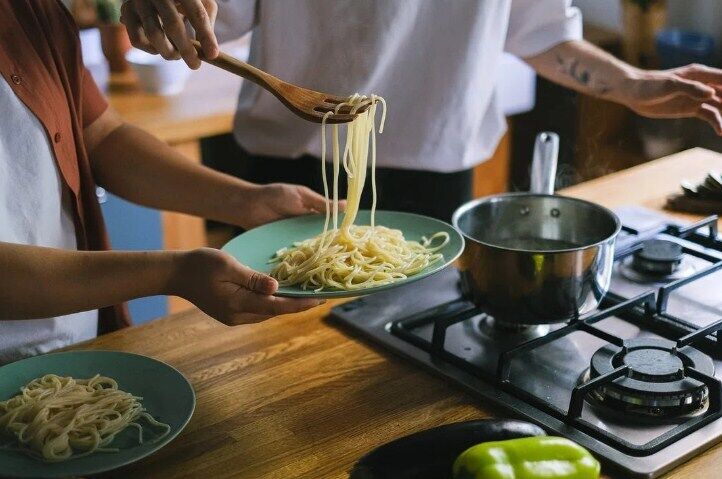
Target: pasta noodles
<point>350,256</point>
<point>59,418</point>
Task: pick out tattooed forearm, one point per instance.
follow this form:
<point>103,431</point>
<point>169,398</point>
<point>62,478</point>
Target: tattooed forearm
<point>585,68</point>
<point>574,68</point>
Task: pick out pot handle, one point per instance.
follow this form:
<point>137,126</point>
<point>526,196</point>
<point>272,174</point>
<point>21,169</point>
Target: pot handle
<point>544,164</point>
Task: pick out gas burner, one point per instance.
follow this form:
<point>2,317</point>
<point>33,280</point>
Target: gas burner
<point>496,329</point>
<point>627,269</point>
<point>657,261</point>
<point>658,257</point>
<point>656,384</point>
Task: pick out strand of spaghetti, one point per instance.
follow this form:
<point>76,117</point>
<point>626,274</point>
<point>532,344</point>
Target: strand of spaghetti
<point>335,176</point>
<point>373,161</point>
<point>374,99</point>
<point>383,113</point>
<point>323,169</point>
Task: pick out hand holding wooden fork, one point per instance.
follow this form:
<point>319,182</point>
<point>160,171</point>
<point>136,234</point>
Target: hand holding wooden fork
<point>158,27</point>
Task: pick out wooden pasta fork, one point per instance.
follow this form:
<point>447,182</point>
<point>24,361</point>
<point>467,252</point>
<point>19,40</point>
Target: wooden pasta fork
<point>308,104</point>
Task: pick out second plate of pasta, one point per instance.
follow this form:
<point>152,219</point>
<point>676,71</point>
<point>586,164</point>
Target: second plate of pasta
<point>259,248</point>
<point>64,400</point>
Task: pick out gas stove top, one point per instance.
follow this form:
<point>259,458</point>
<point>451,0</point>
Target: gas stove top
<point>636,382</point>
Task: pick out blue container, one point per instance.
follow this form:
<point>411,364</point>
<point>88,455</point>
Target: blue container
<point>133,227</point>
<point>676,48</point>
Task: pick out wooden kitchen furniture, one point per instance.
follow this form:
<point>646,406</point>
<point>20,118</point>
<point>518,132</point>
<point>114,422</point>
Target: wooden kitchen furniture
<point>294,397</point>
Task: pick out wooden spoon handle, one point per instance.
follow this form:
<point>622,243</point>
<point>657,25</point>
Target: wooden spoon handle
<point>240,68</point>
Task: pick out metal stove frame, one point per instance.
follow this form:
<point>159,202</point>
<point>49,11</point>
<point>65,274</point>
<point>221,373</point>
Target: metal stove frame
<point>642,309</point>
<point>647,310</point>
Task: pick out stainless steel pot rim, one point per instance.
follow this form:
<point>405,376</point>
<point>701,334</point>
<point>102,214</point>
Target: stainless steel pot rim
<point>488,199</point>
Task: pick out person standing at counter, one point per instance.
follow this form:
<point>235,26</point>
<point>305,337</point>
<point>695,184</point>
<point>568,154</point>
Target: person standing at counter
<point>436,64</point>
<point>58,138</point>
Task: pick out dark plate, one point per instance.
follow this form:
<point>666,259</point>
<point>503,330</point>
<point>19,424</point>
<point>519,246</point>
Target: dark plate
<point>430,454</point>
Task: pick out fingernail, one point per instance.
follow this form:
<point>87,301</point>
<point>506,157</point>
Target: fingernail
<point>270,284</point>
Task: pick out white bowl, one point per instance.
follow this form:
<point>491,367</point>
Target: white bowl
<point>156,75</point>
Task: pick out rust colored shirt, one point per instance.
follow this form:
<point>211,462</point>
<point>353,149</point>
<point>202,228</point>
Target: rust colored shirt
<point>40,59</point>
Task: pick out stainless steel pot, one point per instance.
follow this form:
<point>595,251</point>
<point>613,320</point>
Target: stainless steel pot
<point>537,258</point>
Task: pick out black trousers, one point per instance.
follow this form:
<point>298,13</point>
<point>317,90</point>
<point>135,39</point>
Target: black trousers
<point>414,191</point>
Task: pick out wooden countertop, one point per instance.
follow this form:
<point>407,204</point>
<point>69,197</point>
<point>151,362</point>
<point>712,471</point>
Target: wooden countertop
<point>294,397</point>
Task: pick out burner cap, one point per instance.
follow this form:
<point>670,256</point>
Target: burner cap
<point>656,384</point>
<point>659,257</point>
<point>654,365</point>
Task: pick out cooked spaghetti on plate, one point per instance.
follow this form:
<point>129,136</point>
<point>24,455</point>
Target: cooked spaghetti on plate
<point>347,256</point>
<point>58,418</point>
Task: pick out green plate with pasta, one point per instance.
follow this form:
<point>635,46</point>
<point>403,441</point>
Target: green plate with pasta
<point>388,261</point>
<point>112,387</point>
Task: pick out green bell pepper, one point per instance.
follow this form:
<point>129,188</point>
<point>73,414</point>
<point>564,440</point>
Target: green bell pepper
<point>540,457</point>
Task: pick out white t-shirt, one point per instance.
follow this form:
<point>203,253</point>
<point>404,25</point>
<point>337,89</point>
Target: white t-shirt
<point>35,210</point>
<point>435,62</point>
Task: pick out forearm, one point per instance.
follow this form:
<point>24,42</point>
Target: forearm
<point>581,66</point>
<point>38,282</point>
<point>138,167</point>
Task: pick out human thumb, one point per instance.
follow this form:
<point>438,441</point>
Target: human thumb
<point>256,281</point>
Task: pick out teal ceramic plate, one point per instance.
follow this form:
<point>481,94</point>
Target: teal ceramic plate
<point>256,247</point>
<point>167,396</point>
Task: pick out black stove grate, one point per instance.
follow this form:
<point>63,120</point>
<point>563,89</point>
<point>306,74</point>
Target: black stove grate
<point>648,310</point>
<point>664,321</point>
<point>692,231</point>
<point>711,239</point>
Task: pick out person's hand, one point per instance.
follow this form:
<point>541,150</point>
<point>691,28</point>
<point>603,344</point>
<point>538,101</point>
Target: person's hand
<point>689,91</point>
<point>230,292</point>
<point>158,26</point>
<point>276,201</point>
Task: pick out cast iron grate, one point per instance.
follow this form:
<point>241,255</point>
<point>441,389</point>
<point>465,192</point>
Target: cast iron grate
<point>647,310</point>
